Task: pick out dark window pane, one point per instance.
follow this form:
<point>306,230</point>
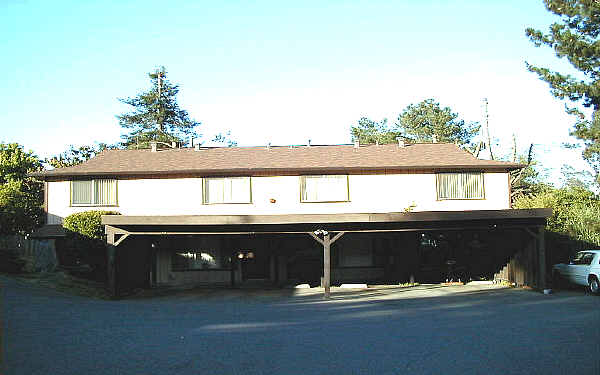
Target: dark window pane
<point>188,260</point>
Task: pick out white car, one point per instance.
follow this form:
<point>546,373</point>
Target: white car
<point>582,269</point>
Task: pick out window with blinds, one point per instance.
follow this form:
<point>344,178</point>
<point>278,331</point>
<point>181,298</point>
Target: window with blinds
<point>327,188</point>
<point>227,190</point>
<point>463,185</point>
<point>101,192</point>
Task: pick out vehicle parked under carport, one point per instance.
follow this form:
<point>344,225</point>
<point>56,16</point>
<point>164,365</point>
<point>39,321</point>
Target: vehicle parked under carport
<point>583,269</point>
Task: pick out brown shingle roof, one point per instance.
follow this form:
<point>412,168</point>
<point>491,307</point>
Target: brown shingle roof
<point>279,160</point>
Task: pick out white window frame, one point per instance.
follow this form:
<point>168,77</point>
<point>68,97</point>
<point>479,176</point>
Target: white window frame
<point>93,193</point>
<point>303,189</point>
<point>461,190</point>
<point>206,193</point>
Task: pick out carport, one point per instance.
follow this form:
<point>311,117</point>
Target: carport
<point>132,236</point>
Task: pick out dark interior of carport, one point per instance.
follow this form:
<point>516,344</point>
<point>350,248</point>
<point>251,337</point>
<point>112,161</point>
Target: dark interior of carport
<point>425,247</point>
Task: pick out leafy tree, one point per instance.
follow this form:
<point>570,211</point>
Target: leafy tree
<point>369,131</point>
<point>156,115</point>
<point>575,211</point>
<point>423,121</point>
<point>76,155</point>
<point>21,197</point>
<point>527,181</point>
<point>575,37</point>
<point>576,178</point>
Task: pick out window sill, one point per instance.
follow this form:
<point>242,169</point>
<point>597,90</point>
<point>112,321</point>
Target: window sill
<point>94,205</point>
<point>203,269</point>
<point>459,199</point>
<point>346,201</point>
<point>215,203</point>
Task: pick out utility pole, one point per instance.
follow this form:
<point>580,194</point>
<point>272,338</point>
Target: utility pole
<point>158,120</point>
<point>487,128</point>
<point>514,157</point>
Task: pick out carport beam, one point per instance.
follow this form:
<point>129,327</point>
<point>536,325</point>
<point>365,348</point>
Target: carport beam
<point>121,239</point>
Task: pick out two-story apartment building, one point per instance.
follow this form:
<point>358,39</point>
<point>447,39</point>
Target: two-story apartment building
<point>345,213</point>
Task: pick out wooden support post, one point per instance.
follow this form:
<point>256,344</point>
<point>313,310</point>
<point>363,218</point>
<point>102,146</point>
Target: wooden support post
<point>326,265</point>
<point>535,268</point>
<point>232,265</point>
<point>542,257</point>
<point>153,263</point>
<point>327,241</point>
<point>111,269</point>
<point>232,246</point>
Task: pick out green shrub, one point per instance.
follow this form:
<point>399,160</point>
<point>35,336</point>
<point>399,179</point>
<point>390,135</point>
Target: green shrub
<point>84,243</point>
<point>575,212</point>
<point>87,223</point>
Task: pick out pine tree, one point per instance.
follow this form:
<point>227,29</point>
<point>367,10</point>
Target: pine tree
<point>423,121</point>
<point>575,37</point>
<point>369,131</point>
<point>156,116</point>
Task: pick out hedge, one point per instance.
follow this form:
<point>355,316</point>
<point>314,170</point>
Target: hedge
<point>84,243</point>
<point>87,223</point>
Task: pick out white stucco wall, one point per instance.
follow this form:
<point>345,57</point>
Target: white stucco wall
<point>368,193</point>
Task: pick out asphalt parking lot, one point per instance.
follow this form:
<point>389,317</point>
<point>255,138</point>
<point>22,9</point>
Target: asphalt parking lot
<point>428,329</point>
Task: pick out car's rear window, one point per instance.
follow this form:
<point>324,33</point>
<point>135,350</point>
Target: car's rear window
<point>587,259</point>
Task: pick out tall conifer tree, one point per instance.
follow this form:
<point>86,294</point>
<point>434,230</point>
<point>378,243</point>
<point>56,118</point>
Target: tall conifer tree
<point>575,37</point>
<point>156,115</point>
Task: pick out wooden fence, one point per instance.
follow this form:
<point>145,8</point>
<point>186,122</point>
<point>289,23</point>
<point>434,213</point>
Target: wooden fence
<point>39,255</point>
<point>522,268</point>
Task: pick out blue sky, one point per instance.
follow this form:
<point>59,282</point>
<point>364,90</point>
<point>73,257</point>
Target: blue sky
<point>275,71</point>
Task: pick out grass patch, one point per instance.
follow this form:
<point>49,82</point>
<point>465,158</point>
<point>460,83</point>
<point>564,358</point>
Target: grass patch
<point>64,283</point>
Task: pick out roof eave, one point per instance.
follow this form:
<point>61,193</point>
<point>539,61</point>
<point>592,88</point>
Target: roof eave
<point>277,171</point>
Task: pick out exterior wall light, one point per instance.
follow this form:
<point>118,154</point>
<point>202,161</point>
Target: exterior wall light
<point>245,255</point>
